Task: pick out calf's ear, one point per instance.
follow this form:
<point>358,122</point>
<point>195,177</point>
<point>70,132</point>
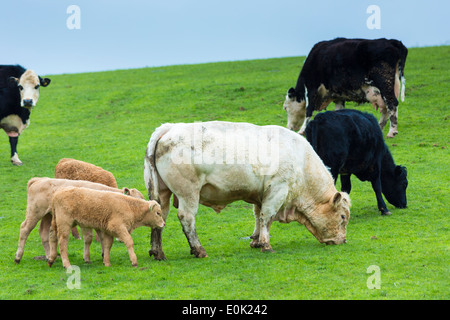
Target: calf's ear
<point>44,81</point>
<point>126,191</point>
<point>152,205</point>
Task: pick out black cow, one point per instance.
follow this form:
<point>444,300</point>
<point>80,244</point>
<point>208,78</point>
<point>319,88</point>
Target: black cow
<point>19,93</point>
<point>351,142</point>
<point>342,70</point>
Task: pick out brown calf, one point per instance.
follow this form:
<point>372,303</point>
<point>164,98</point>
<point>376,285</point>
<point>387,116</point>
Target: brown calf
<point>39,195</point>
<point>73,169</point>
<point>113,214</point>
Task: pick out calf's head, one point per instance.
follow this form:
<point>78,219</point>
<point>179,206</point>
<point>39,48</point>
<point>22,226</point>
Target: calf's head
<point>394,186</point>
<point>295,108</point>
<point>28,85</point>
<point>328,223</point>
<point>153,217</point>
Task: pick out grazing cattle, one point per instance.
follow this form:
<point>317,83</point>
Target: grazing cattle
<point>115,215</point>
<point>217,163</point>
<point>350,142</point>
<point>342,70</point>
<point>19,93</point>
<point>79,170</point>
<point>39,195</point>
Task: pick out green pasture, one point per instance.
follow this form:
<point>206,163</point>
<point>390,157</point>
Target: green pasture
<point>106,118</point>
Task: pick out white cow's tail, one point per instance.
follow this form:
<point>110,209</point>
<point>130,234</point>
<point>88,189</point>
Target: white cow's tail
<point>402,91</point>
<point>150,172</point>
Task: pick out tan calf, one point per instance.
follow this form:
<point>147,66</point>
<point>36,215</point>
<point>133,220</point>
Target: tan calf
<point>79,170</point>
<point>73,169</point>
<point>39,195</point>
<point>114,214</point>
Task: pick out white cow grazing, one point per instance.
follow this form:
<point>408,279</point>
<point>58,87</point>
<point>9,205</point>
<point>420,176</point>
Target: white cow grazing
<point>216,163</point>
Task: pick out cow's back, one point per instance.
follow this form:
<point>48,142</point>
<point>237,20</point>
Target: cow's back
<point>348,139</point>
<point>250,158</point>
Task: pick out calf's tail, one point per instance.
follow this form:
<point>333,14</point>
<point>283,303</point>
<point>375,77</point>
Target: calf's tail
<point>150,171</point>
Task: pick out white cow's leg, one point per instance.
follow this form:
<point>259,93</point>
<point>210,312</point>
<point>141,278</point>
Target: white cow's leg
<point>255,235</point>
<point>271,204</point>
<point>186,214</point>
<point>156,235</point>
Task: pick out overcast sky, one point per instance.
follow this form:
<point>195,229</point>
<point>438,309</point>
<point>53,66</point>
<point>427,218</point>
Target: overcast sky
<point>116,34</point>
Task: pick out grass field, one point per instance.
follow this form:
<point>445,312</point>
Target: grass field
<point>107,118</point>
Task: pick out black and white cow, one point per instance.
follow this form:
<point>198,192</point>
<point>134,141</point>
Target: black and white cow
<point>19,93</point>
<point>356,70</point>
<point>351,142</point>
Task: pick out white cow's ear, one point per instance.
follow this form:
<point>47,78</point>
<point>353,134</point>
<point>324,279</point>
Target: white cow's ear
<point>337,199</point>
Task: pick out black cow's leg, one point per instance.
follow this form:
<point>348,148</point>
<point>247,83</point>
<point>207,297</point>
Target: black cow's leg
<point>346,185</point>
<point>385,83</point>
<point>376,185</point>
<point>14,156</point>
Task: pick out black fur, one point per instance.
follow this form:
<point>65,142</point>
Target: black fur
<point>351,142</point>
<point>344,65</point>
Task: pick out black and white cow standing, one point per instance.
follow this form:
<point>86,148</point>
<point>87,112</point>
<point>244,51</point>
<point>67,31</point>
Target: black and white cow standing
<point>19,93</point>
<point>356,70</point>
<point>350,142</point>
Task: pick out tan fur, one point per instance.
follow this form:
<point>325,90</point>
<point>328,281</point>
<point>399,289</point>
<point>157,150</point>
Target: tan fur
<point>114,214</point>
<point>79,170</point>
<point>39,195</point>
<point>73,169</point>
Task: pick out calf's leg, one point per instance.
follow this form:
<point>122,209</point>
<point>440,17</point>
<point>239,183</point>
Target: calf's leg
<point>126,238</point>
<point>26,227</point>
<point>107,241</point>
<point>63,240</point>
<point>87,237</point>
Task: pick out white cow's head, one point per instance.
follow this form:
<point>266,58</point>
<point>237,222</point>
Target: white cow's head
<point>296,110</point>
<point>329,222</point>
<point>28,85</point>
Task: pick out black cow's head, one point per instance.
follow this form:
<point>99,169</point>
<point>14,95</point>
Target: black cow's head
<point>394,186</point>
<point>28,85</point>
